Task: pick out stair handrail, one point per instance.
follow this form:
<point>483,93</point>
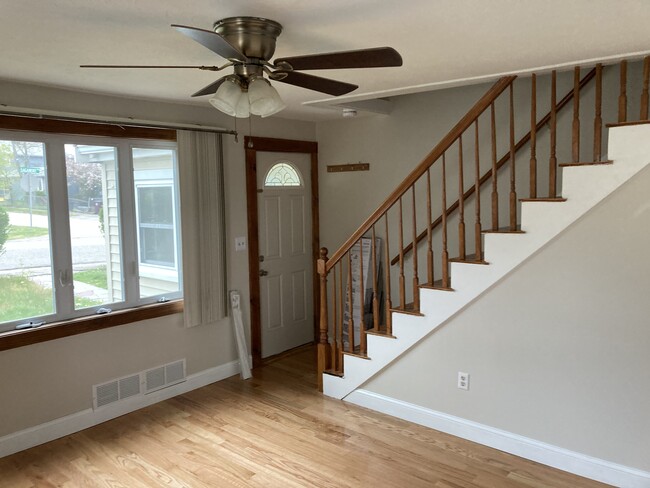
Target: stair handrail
<point>465,122</point>
<point>504,159</point>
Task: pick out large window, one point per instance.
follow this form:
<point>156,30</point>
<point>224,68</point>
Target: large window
<point>88,225</point>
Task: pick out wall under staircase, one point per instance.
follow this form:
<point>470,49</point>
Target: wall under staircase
<point>554,332</point>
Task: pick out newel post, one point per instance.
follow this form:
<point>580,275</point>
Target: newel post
<point>323,343</point>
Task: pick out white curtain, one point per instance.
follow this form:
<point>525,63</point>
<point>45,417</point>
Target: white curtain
<point>203,224</point>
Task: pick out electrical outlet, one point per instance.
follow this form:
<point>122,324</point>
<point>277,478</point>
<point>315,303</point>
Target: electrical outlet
<point>463,381</point>
<point>240,244</point>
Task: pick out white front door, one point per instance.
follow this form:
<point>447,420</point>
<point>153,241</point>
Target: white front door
<point>284,209</point>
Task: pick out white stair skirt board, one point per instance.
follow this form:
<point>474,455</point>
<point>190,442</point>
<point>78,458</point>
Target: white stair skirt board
<point>557,457</point>
<point>49,431</point>
<point>583,187</point>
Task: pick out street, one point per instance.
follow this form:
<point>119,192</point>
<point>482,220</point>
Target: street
<point>24,255</point>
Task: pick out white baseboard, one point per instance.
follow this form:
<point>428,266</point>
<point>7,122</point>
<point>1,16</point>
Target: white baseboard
<point>40,434</point>
<point>557,457</point>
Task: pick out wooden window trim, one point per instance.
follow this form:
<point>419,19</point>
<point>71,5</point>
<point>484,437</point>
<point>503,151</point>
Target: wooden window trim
<point>57,330</point>
<point>52,126</point>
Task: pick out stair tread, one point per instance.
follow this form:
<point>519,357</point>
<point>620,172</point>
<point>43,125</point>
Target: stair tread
<point>333,373</point>
<point>408,309</point>
<point>587,163</point>
<point>381,332</point>
<point>437,285</point>
<point>504,230</point>
<point>469,259</point>
<point>626,124</point>
<point>356,353</point>
<point>543,199</point>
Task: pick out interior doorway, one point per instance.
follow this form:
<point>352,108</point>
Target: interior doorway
<point>282,200</point>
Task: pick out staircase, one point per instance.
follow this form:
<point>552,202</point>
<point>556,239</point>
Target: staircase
<point>401,308</point>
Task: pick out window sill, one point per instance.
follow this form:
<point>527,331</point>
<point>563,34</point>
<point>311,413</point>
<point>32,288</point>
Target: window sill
<point>19,338</point>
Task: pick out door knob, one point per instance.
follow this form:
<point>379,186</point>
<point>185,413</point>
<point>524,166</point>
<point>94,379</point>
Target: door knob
<point>263,272</point>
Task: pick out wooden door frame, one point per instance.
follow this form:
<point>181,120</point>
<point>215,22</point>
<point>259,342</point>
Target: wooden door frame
<point>266,144</point>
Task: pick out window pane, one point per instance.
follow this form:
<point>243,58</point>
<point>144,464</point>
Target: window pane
<point>156,221</point>
<point>25,257</point>
<point>156,225</point>
<point>94,224</point>
<point>282,174</point>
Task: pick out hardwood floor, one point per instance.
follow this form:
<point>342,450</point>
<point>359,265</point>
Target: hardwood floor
<point>274,430</point>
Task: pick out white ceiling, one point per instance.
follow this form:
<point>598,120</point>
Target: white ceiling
<point>44,41</point>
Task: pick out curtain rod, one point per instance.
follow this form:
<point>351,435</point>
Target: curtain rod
<point>116,123</point>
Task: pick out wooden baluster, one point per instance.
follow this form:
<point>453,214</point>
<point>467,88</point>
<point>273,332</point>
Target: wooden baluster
<point>598,119</point>
<point>477,195</point>
<point>552,172</point>
<point>533,136</point>
<point>644,92</point>
<point>402,283</point>
<point>513,192</point>
<point>461,202</point>
<point>335,351</point>
<point>429,233</point>
<point>445,253</point>
<point>341,316</point>
<point>575,142</point>
<point>362,303</point>
<point>350,303</point>
<point>622,98</point>
<point>416,280</point>
<point>375,300</point>
<point>323,343</point>
<point>389,305</point>
<point>495,193</point>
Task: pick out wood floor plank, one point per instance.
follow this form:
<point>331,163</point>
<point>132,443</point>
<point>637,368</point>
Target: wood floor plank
<point>274,430</point>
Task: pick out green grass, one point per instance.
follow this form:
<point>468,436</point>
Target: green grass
<point>94,276</point>
<point>35,211</point>
<point>84,302</point>
<point>23,232</point>
<point>22,298</point>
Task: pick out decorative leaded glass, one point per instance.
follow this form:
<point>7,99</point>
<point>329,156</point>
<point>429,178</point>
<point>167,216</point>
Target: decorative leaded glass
<point>282,174</point>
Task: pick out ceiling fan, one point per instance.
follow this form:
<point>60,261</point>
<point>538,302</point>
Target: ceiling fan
<point>248,44</point>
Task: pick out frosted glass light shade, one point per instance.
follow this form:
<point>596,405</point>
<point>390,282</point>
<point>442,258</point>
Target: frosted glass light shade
<point>227,97</point>
<point>264,99</point>
<point>243,107</point>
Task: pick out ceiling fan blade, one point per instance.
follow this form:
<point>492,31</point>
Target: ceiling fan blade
<point>213,41</point>
<point>210,89</point>
<point>377,57</point>
<point>316,83</point>
<point>139,66</point>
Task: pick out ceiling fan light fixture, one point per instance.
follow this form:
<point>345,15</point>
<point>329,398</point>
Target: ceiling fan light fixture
<point>227,96</point>
<point>264,99</point>
<point>243,109</point>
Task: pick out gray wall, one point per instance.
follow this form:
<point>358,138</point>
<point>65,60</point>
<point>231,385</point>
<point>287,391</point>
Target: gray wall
<point>46,381</point>
<point>558,350</point>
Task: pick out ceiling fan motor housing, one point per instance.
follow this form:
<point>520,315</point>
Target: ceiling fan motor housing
<point>253,36</point>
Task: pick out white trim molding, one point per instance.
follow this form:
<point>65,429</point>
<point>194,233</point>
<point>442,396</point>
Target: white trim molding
<point>49,431</point>
<point>550,455</point>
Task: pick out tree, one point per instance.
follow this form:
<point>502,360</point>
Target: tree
<point>7,167</point>
<point>4,229</point>
<point>84,179</point>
